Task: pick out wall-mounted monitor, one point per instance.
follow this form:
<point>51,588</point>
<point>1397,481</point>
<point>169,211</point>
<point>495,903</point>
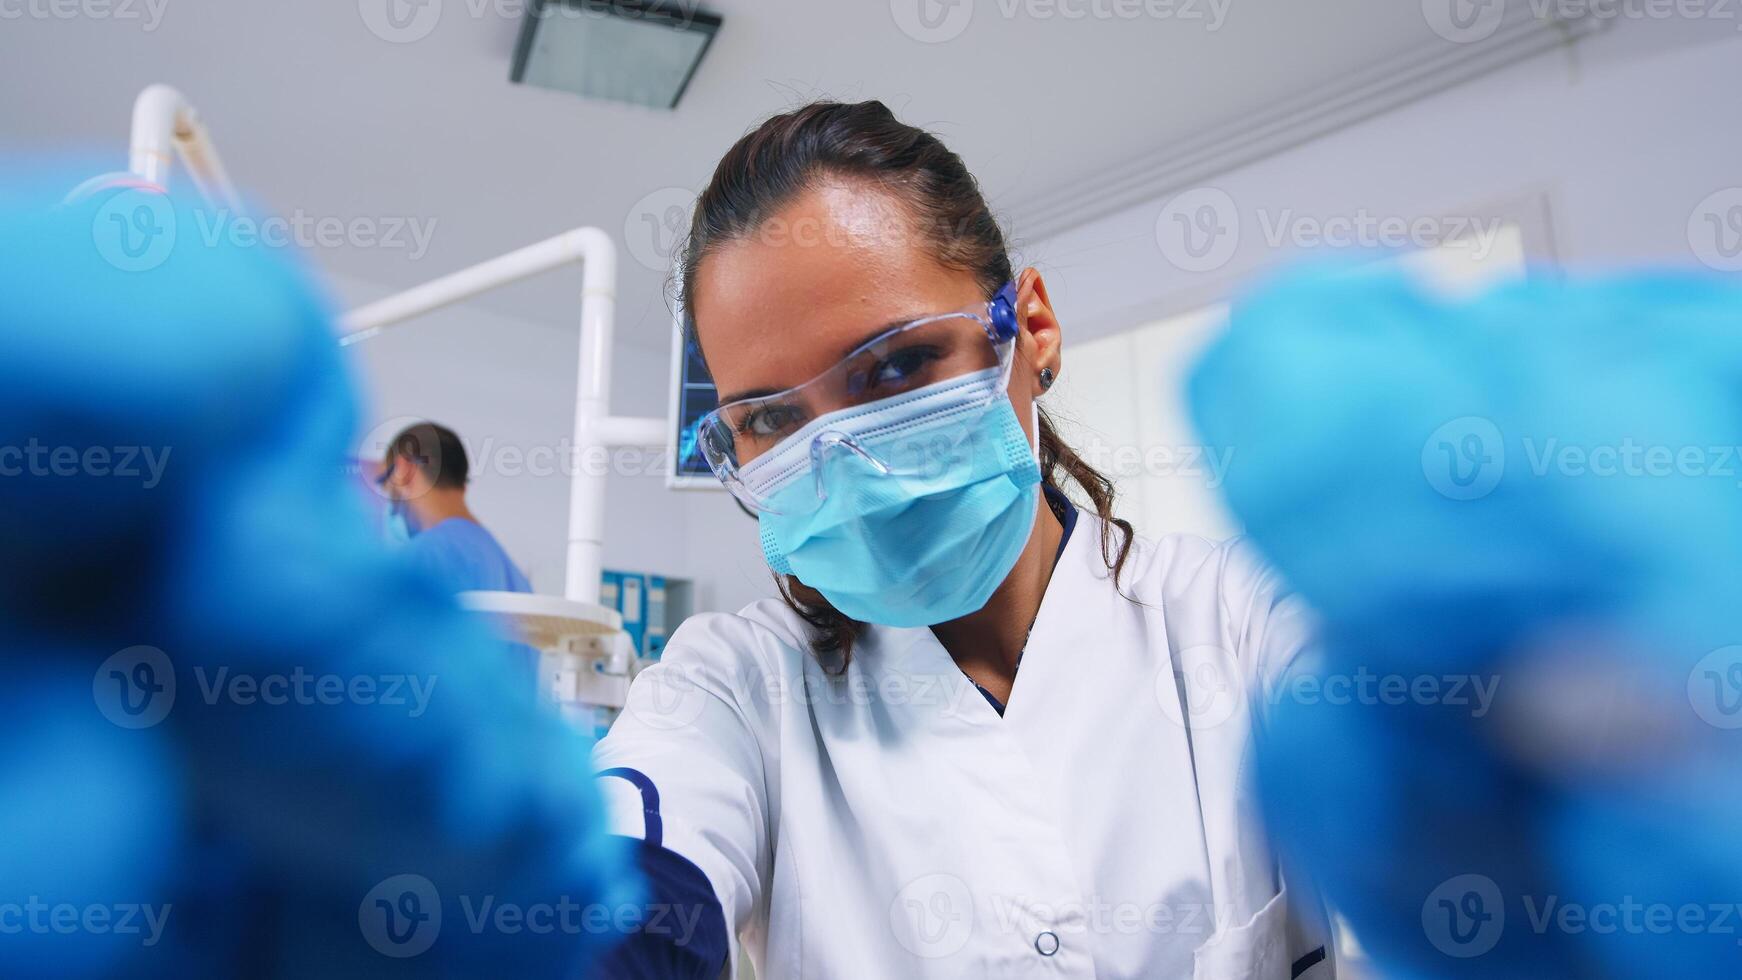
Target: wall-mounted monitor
<point>692,396</point>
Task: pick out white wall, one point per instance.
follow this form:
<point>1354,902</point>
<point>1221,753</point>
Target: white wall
<point>1123,403</point>
<point>1622,143</point>
<point>1605,165</point>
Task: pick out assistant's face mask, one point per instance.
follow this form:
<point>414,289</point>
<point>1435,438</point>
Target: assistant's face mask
<point>902,510</point>
<point>397,527</point>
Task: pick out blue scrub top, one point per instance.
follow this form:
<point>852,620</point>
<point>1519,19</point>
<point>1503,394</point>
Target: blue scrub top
<point>466,557</point>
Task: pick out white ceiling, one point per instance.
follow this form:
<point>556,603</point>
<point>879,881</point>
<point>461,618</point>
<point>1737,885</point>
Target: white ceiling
<point>316,114</point>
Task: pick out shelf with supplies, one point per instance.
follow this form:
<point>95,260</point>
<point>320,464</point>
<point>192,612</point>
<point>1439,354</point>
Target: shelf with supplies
<point>651,607</point>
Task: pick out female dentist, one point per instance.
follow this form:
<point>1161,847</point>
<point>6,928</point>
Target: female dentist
<point>986,734</point>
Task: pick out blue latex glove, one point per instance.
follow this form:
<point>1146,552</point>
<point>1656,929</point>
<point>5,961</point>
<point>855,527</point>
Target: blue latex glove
<point>1432,476</point>
<point>206,519</point>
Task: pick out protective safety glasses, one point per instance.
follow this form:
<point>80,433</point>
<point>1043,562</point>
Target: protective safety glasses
<point>943,364</point>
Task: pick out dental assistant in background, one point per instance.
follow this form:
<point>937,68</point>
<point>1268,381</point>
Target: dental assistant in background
<point>964,745</point>
<point>424,477</point>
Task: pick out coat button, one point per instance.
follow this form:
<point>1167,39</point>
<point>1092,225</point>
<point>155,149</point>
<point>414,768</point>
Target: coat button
<point>1047,943</point>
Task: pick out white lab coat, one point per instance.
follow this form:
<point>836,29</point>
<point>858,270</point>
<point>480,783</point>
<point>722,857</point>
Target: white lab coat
<point>890,824</point>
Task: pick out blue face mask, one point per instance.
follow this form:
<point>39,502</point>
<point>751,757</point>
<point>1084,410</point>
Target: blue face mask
<point>398,529</point>
<point>923,546</point>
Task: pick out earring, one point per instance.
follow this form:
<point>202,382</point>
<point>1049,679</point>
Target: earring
<point>1047,378</point>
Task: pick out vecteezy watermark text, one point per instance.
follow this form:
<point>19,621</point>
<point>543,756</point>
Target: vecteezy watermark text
<point>137,687</point>
<point>1201,230</point>
<point>939,21</point>
<point>300,687</point>
<point>300,229</point>
<point>1368,687</point>
<point>138,230</point>
<point>1205,464</point>
<point>402,917</point>
<point>36,917</point>
<point>1467,915</point>
<point>36,459</point>
<point>1474,21</point>
<point>408,21</point>
<point>1465,459</point>
<point>147,13</point>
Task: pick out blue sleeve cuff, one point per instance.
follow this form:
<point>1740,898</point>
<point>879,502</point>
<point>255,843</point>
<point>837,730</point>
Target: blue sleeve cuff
<point>682,932</point>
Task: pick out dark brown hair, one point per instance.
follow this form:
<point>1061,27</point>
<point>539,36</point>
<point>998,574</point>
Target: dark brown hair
<point>864,141</point>
<point>435,450</point>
